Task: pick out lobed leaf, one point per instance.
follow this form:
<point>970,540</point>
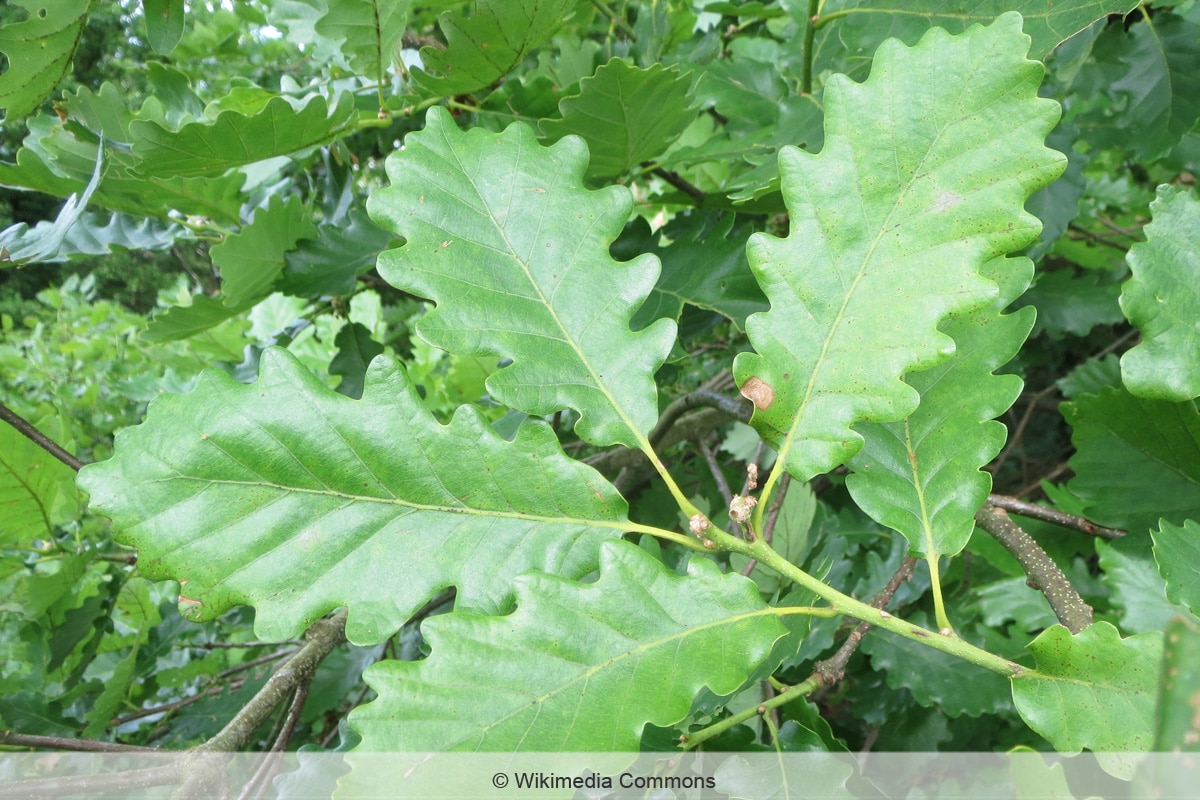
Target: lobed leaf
<point>482,48</point>
<point>626,115</point>
<point>923,476</point>
<point>1176,723</point>
<point>920,183</point>
<point>297,500</point>
<point>634,647</point>
<point>1177,552</point>
<point>367,31</point>
<point>1161,299</point>
<point>251,260</point>
<point>19,245</point>
<point>1159,86</point>
<point>1093,689</point>
<point>703,266</point>
<point>503,237</point>
<point>1047,24</point>
<point>35,487</point>
<point>1136,460</point>
<point>39,51</point>
<point>164,23</point>
<point>235,139</point>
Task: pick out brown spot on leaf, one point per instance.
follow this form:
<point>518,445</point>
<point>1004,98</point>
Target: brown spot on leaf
<point>759,392</point>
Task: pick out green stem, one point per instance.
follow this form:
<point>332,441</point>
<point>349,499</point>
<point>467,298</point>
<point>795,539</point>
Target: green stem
<point>810,32</point>
<point>844,604</point>
<point>616,19</point>
<point>699,737</point>
<point>939,604</point>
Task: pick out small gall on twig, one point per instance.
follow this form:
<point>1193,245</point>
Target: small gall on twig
<point>740,508</point>
<point>751,477</point>
<point>698,524</point>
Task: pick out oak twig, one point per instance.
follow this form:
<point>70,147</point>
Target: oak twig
<point>37,437</point>
<point>1062,519</point>
<point>1043,574</point>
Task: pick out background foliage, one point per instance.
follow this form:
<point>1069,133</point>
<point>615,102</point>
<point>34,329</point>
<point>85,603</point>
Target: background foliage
<point>468,318</point>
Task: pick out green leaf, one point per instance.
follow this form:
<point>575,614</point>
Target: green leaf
<point>184,322</point>
<point>19,245</point>
<point>936,679</point>
<point>1177,551</point>
<point>368,32</point>
<point>923,476</point>
<point>34,489</point>
<point>1136,460</point>
<point>482,48</point>
<point>1162,302</point>
<point>331,262</point>
<point>890,224</point>
<point>355,349</point>
<point>1177,725</point>
<point>1160,85</point>
<point>1093,689</point>
<point>288,496</point>
<point>503,237</point>
<point>1048,24</point>
<point>626,115</point>
<point>704,265</point>
<point>164,23</point>
<point>632,648</point>
<point>235,139</point>
<point>250,261</point>
<point>1071,304</point>
<point>39,51</point>
<point>1138,590</point>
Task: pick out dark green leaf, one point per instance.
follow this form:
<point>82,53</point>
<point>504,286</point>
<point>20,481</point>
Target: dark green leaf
<point>1160,84</point>
<point>355,349</point>
<point>251,260</point>
<point>626,115</point>
<point>703,265</point>
<point>39,52</point>
<point>234,139</point>
<point>483,47</point>
<point>1136,460</point>
<point>368,32</point>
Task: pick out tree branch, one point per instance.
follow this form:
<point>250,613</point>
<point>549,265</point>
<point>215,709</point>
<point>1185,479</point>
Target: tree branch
<point>298,670</point>
<point>37,437</point>
<point>833,669</point>
<point>1043,574</point>
<point>62,743</point>
<point>1075,523</point>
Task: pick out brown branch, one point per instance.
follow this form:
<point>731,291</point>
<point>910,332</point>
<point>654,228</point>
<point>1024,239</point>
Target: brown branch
<point>321,639</point>
<point>1043,574</point>
<point>93,785</point>
<point>37,437</point>
<point>833,669</point>
<point>1064,520</point>
<point>681,183</point>
<point>15,739</point>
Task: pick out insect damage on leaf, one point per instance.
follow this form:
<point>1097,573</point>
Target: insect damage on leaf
<point>759,392</point>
